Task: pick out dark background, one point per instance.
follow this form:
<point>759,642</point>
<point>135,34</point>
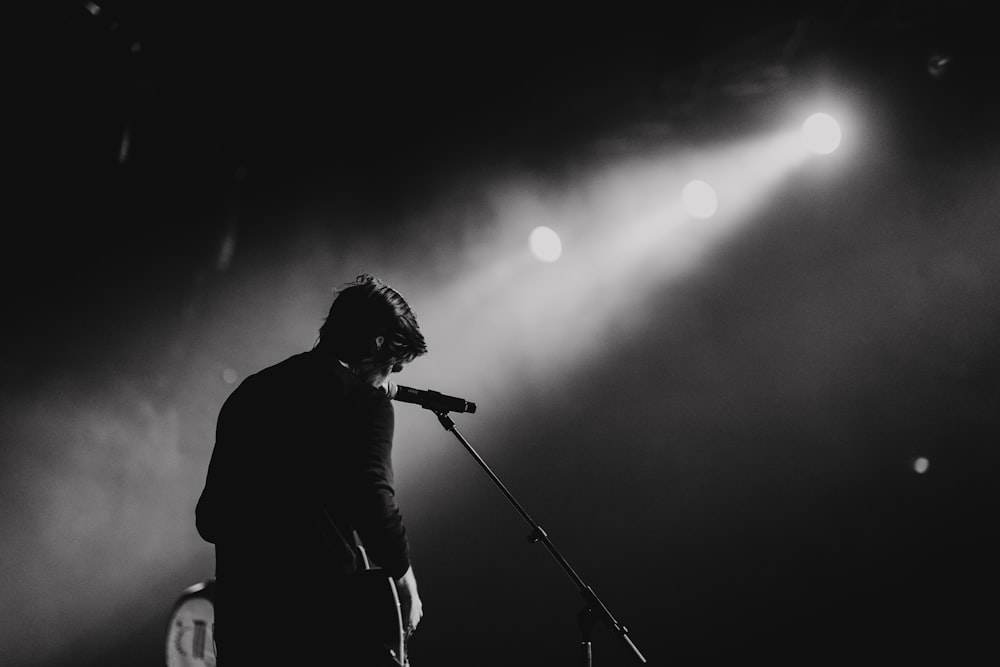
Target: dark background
<point>732,471</point>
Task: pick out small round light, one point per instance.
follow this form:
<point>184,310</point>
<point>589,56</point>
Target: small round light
<point>821,133</point>
<point>545,244</point>
<point>938,65</point>
<point>920,465</point>
<point>699,199</point>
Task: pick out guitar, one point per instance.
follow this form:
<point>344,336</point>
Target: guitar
<point>191,628</point>
<point>379,606</point>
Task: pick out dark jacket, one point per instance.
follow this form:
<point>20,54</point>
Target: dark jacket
<point>302,459</point>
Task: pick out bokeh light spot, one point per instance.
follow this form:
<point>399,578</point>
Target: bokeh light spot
<point>700,200</point>
<point>821,134</point>
<point>545,244</point>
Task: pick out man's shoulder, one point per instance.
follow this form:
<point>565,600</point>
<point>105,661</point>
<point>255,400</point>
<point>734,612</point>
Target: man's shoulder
<point>298,366</point>
<point>283,377</point>
<point>312,371</point>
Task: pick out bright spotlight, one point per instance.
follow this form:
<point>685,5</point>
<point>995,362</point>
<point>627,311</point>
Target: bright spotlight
<point>545,244</point>
<point>700,199</point>
<point>821,133</point>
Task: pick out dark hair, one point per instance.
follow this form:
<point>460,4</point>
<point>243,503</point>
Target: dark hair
<point>363,310</point>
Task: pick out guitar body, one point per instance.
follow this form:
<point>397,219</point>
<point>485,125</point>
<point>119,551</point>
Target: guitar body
<point>379,607</point>
<point>376,605</point>
<point>191,630</point>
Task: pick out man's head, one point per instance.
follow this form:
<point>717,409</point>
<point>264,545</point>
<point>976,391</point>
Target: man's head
<point>371,328</point>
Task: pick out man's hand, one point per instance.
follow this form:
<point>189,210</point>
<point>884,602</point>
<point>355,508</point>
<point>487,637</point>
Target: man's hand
<point>413,609</point>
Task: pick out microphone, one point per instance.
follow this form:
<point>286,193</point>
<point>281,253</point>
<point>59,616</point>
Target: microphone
<point>430,400</point>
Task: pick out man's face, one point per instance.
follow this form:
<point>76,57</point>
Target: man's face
<point>379,377</point>
<point>383,374</point>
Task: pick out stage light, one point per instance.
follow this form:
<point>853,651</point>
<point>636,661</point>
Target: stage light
<point>700,199</point>
<point>821,134</point>
<point>938,65</point>
<point>545,244</point>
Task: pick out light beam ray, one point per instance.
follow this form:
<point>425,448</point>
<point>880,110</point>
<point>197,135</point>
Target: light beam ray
<point>625,233</point>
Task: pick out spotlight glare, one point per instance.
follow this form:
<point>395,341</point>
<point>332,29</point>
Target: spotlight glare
<point>545,244</point>
<point>700,199</point>
<point>938,65</point>
<point>821,133</point>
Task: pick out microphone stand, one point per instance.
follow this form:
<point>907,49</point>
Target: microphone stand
<point>593,608</point>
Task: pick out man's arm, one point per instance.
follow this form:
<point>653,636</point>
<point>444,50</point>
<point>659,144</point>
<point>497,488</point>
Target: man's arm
<point>209,512</point>
<point>377,517</point>
<point>205,514</point>
<point>414,608</point>
<point>372,498</point>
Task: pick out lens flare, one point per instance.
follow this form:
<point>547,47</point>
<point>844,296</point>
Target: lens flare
<point>821,134</point>
<point>545,244</point>
<point>700,199</point>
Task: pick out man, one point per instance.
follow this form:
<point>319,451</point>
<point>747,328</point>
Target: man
<point>302,463</point>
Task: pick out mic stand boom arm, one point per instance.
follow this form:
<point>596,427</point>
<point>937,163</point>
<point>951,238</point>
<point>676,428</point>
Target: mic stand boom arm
<point>594,608</point>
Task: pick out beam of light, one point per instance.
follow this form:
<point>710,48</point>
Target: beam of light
<point>821,133</point>
<point>507,325</point>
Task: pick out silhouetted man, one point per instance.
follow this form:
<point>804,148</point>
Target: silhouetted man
<point>302,463</point>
